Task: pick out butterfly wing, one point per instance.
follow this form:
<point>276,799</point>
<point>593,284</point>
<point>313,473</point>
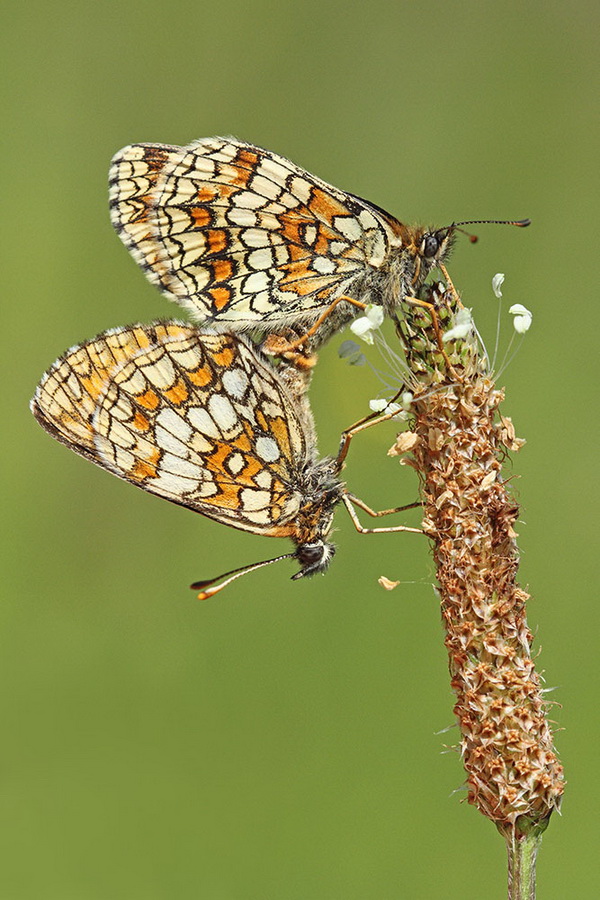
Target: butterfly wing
<point>200,419</point>
<point>243,237</point>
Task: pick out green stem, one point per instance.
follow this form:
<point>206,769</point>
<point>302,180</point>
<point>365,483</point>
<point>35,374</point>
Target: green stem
<point>522,847</point>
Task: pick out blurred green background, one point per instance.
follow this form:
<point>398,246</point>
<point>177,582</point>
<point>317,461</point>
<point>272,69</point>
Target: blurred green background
<point>280,740</point>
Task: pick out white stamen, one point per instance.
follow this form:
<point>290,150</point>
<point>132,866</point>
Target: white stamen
<point>522,318</point>
<point>497,282</point>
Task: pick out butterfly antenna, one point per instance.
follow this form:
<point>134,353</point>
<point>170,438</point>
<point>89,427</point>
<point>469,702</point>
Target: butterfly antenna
<point>520,223</point>
<point>206,589</point>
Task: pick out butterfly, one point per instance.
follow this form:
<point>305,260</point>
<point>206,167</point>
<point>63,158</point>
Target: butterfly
<point>205,421</point>
<point>247,240</point>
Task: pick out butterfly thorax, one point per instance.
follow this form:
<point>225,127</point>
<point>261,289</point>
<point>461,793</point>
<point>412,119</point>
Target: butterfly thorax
<point>320,491</point>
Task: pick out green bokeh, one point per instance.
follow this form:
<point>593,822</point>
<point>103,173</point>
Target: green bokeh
<point>280,741</point>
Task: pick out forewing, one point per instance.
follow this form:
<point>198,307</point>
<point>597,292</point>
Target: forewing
<point>240,235</point>
<point>200,419</point>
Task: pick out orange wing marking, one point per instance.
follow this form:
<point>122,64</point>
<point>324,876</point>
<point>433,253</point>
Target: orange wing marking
<point>201,216</point>
<point>221,296</point>
<point>217,240</point>
<point>145,468</point>
<point>225,356</point>
<point>178,394</point>
<point>149,400</point>
<point>141,422</point>
<point>200,377</point>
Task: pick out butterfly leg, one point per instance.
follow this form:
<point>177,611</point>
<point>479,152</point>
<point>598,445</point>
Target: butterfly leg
<point>350,502</point>
<point>450,283</point>
<point>373,418</point>
<point>356,501</point>
<point>277,345</point>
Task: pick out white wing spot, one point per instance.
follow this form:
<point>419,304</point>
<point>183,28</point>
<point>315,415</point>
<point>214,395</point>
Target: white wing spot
<point>300,188</point>
<point>199,444</point>
<point>123,460</point>
<point>222,412</point>
<point>264,479</point>
<point>323,265</point>
<point>254,237</point>
<point>135,384</point>
<point>348,226</point>
<point>337,247</point>
<point>207,489</point>
<point>235,382</point>
<point>310,234</point>
<point>170,485</point>
<point>377,252</point>
<point>175,465</point>
<point>170,444</point>
<point>235,463</point>
<point>202,421</point>
<point>160,374</point>
<point>173,423</point>
<point>267,449</point>
<point>275,170</point>
<point>265,187</point>
<point>245,218</point>
<point>368,220</point>
<point>262,303</point>
<point>248,200</point>
<point>260,259</point>
<point>119,435</point>
<point>253,500</point>
<point>256,282</point>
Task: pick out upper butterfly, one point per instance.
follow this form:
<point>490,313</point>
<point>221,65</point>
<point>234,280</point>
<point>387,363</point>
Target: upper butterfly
<point>245,239</point>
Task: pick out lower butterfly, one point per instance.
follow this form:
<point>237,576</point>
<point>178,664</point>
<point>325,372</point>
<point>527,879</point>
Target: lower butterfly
<point>207,422</point>
<point>245,239</point>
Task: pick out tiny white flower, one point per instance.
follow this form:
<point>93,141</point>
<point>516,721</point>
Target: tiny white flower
<point>375,315</point>
<point>463,324</point>
<point>362,328</point>
<point>497,282</point>
<point>522,318</point>
<point>398,411</point>
<point>371,321</point>
<point>380,405</point>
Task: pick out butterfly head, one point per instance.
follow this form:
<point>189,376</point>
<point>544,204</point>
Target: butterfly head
<point>419,251</point>
<point>434,246</point>
<point>314,556</point>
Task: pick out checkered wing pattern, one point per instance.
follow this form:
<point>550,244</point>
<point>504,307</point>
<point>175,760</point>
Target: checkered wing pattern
<point>201,419</point>
<point>242,237</point>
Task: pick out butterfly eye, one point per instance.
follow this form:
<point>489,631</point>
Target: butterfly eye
<point>314,556</point>
<point>312,553</point>
<point>430,245</point>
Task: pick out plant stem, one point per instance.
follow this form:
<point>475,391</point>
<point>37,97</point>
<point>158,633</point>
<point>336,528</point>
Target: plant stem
<point>522,851</point>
